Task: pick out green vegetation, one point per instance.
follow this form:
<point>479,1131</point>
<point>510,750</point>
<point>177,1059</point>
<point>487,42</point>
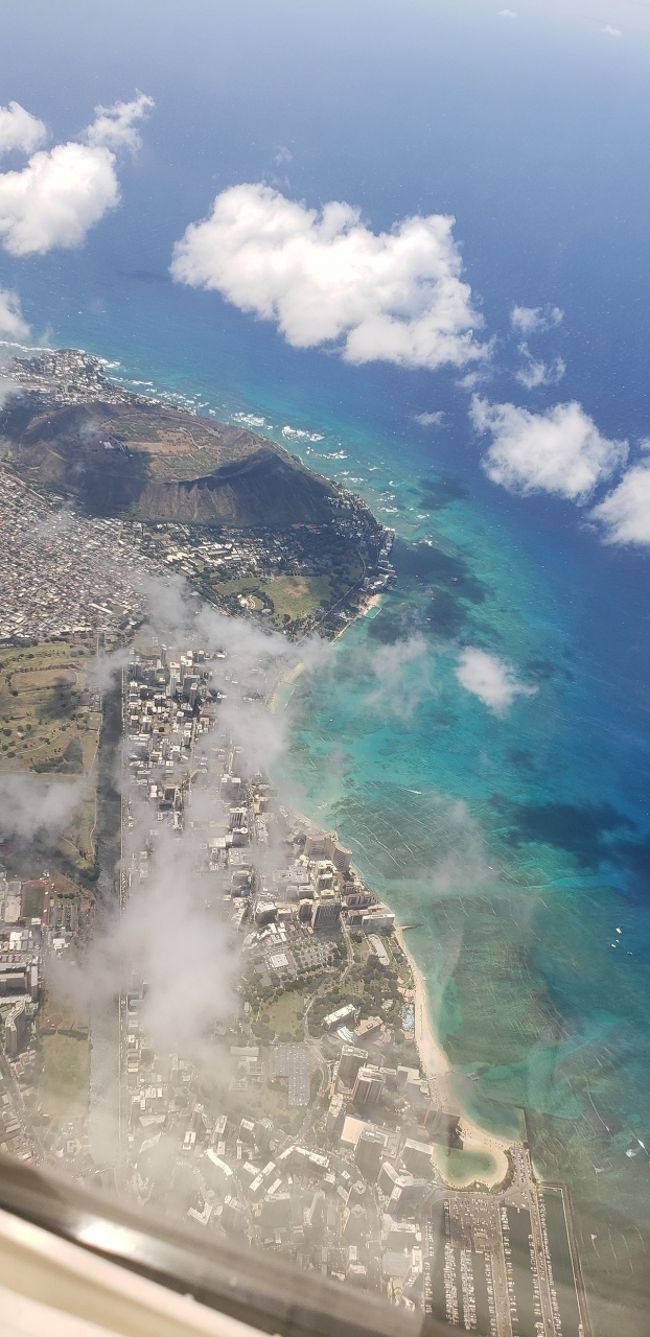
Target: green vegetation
<point>294,597</point>
<point>265,1100</point>
<point>78,844</point>
<point>283,1015</point>
<point>48,727</point>
<point>361,948</point>
<point>46,724</point>
<point>287,598</point>
<point>46,654</point>
<point>65,1074</point>
<point>374,989</point>
<point>165,465</point>
<point>33,899</point>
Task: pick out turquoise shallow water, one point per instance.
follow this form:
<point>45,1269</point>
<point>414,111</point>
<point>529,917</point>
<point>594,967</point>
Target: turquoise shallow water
<point>517,844</point>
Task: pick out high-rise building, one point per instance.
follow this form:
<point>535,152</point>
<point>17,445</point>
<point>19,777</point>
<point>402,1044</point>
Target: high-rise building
<point>410,1196</point>
<point>335,1118</point>
<point>315,1216</point>
<point>16,1030</point>
<point>381,921</point>
<point>388,1179</point>
<point>355,1225</point>
<point>442,1127</point>
<point>368,1086</point>
<point>326,845</point>
<point>326,912</point>
<point>400,1235</point>
<point>265,913</point>
<point>349,1063</point>
<point>417,1156</point>
<point>369,1151</point>
<point>190,687</point>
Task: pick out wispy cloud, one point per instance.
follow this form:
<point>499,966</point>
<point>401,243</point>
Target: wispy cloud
<point>168,934</point>
<point>116,127</point>
<point>12,322</point>
<point>460,867</point>
<point>535,319</point>
<point>610,31</point>
<point>535,372</point>
<point>433,419</point>
<point>402,676</point>
<point>508,14</point>
<point>325,278</point>
<point>472,379</point>
<point>560,451</point>
<point>282,156</point>
<point>8,388</point>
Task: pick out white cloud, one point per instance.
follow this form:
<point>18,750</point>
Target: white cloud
<point>56,198</point>
<point>60,194</point>
<point>490,679</point>
<point>625,512</point>
<point>535,319</point>
<point>535,372</point>
<point>560,451</point>
<point>283,156</point>
<point>402,676</point>
<point>12,323</point>
<point>325,278</point>
<point>8,389</point>
<point>35,803</point>
<point>472,379</point>
<point>609,31</point>
<point>19,129</point>
<point>115,127</point>
<point>434,419</point>
<point>507,14</point>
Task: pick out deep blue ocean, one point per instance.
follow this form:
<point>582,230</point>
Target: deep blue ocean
<point>519,845</point>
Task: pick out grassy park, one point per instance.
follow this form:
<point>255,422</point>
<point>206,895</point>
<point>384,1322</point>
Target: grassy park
<point>46,721</point>
<point>49,726</point>
<point>288,598</point>
<point>63,1083</point>
<point>284,1014</point>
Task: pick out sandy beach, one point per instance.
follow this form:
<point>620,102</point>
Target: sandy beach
<point>286,680</point>
<point>434,1061</point>
<point>290,677</point>
<point>437,1068</point>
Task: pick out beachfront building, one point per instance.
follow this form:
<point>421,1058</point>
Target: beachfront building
<point>368,1086</point>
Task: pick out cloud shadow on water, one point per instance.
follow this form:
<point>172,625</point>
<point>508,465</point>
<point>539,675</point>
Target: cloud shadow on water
<point>587,832</point>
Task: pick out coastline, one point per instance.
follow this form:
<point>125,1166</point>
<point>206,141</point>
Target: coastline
<point>287,679</point>
<point>434,1061</point>
<point>437,1069</point>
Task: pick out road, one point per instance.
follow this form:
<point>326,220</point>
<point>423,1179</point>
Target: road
<point>103,1111</point>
